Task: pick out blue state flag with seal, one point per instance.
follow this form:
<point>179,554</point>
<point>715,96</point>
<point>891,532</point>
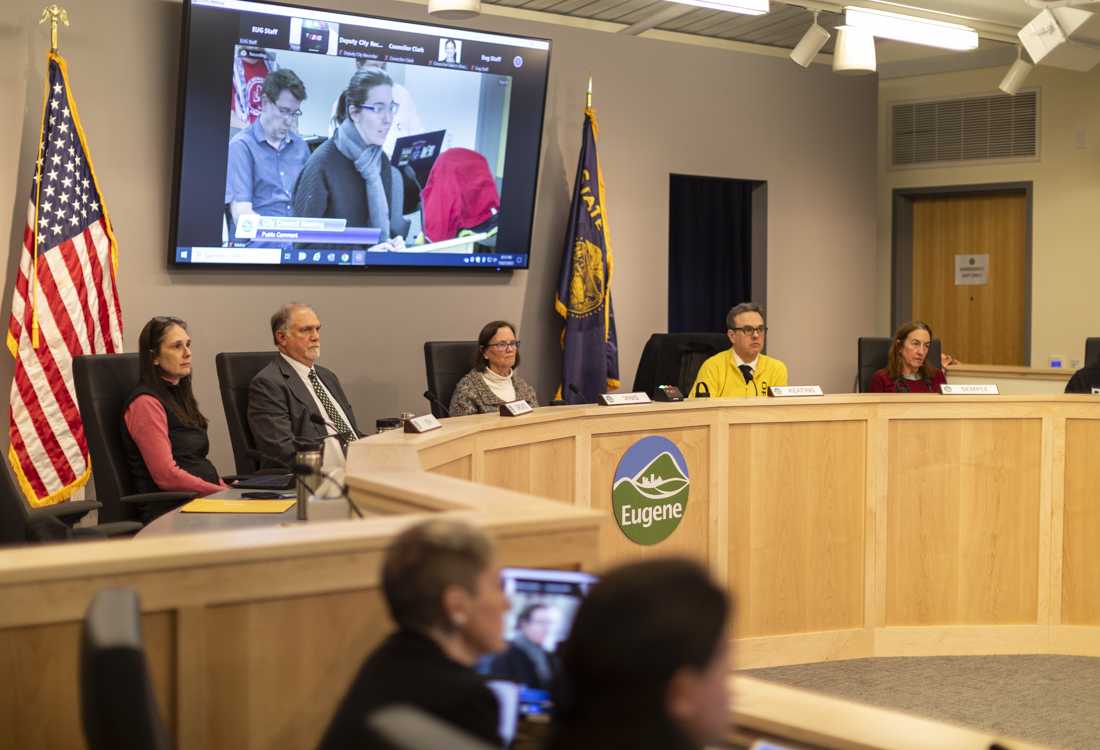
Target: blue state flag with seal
<point>590,348</point>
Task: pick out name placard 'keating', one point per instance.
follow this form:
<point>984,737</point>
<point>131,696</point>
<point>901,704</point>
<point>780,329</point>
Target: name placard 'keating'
<point>649,493</point>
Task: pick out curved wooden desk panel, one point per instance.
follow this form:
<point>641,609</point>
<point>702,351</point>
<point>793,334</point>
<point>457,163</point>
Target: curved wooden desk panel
<point>847,526</point>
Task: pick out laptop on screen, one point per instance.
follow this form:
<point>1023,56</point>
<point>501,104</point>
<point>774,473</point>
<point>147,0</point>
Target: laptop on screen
<point>418,152</point>
<point>543,605</point>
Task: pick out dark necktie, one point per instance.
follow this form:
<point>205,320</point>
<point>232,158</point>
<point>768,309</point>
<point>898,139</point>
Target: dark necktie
<point>334,417</point>
<point>747,372</point>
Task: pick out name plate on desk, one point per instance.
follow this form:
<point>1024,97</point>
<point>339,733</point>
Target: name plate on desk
<point>621,399</point>
<point>515,408</point>
<point>970,389</point>
<point>787,391</point>
<point>422,424</point>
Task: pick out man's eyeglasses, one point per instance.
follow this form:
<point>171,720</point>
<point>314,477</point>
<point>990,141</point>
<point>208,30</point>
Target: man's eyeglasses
<point>286,112</point>
<point>503,346</point>
<point>379,108</point>
<point>751,330</point>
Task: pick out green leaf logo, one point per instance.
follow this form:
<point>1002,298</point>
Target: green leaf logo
<point>649,493</point>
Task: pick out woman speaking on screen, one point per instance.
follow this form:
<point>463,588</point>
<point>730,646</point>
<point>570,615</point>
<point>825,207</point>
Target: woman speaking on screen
<point>349,176</point>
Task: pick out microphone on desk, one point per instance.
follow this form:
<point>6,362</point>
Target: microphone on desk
<point>434,401</point>
<point>344,437</point>
<point>702,390</point>
<point>305,470</point>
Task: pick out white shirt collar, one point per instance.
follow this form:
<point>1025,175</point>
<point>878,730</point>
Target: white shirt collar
<point>302,370</point>
<point>738,361</point>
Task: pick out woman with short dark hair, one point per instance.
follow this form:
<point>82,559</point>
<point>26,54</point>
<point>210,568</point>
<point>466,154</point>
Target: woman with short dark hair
<point>493,380</point>
<point>163,430</point>
<point>646,662</point>
<point>442,586</point>
<point>907,368</point>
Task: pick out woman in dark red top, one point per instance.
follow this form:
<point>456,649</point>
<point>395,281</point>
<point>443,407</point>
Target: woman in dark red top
<point>906,370</point>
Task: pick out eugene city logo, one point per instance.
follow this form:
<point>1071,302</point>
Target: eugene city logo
<point>650,490</point>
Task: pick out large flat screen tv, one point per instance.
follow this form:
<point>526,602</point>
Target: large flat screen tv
<point>309,138</point>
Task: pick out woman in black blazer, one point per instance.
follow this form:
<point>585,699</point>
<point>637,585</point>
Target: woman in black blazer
<point>442,587</point>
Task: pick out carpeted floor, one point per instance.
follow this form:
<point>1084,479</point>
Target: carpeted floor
<point>1052,700</point>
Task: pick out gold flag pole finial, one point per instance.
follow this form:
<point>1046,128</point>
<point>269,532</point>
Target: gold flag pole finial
<point>55,15</point>
<point>588,97</point>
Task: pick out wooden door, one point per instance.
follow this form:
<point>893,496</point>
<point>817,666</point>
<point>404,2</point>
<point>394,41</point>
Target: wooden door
<point>979,324</point>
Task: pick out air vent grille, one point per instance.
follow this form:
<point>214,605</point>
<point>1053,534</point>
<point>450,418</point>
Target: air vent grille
<point>973,129</point>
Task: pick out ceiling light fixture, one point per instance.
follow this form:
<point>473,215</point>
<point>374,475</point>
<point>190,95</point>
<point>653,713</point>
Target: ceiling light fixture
<point>1017,74</point>
<point>854,52</point>
<point>454,10</point>
<point>912,29</point>
<point>810,44</point>
<point>747,7</point>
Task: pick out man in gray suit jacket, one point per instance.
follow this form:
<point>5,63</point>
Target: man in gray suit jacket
<point>284,396</point>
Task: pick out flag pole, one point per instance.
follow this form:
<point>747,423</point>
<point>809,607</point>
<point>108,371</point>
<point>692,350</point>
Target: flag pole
<point>588,96</point>
<point>55,15</point>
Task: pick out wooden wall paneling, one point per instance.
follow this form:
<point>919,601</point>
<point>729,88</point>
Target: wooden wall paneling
<point>691,537</point>
<point>276,669</point>
<point>798,499</point>
<point>1080,523</point>
<point>878,464</point>
<point>459,468</point>
<point>544,468</point>
<point>40,692</point>
<point>963,522</point>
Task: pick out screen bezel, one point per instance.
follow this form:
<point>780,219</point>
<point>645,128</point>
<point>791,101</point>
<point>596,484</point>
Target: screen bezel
<point>181,105</point>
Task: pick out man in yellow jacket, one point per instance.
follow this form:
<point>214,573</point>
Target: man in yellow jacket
<point>741,371</point>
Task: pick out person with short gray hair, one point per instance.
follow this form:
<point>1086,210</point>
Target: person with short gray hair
<point>744,370</point>
<point>286,397</point>
<point>442,587</point>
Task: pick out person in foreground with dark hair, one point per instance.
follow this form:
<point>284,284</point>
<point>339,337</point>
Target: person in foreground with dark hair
<point>493,380</point>
<point>163,430</point>
<point>907,369</point>
<point>442,587</point>
<point>646,663</point>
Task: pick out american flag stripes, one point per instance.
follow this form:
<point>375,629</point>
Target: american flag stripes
<point>65,303</point>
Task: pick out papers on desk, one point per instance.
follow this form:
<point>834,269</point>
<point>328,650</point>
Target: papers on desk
<point>214,505</point>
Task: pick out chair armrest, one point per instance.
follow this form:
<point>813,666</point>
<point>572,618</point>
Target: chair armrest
<point>150,498</point>
<point>65,509</point>
<point>115,528</point>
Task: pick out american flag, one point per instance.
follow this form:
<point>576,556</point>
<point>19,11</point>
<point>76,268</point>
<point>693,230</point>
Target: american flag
<point>65,303</point>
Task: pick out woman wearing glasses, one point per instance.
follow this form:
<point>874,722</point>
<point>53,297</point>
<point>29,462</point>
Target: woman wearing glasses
<point>493,381</point>
<point>349,176</point>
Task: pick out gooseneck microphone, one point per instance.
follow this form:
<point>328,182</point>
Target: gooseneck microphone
<point>434,401</point>
<point>343,437</point>
<point>304,470</point>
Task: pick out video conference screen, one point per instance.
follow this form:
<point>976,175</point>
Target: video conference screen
<point>310,138</point>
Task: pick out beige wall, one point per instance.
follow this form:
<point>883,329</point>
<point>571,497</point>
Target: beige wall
<point>1066,194</point>
<point>663,108</point>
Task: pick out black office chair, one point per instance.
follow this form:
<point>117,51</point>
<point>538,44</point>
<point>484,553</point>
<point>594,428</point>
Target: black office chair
<point>871,353</point>
<point>118,709</point>
<point>1092,351</point>
<point>235,373</point>
<point>20,523</point>
<point>103,382</point>
<point>446,362</point>
<point>675,359</point>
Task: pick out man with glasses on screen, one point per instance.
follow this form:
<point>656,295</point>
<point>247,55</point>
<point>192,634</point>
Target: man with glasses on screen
<point>743,370</point>
<point>266,158</point>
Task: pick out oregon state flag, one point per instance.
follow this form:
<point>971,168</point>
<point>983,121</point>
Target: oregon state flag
<point>590,349</point>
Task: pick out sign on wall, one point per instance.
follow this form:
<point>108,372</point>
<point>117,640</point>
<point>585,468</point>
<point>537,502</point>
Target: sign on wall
<point>649,492</point>
<point>971,270</point>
